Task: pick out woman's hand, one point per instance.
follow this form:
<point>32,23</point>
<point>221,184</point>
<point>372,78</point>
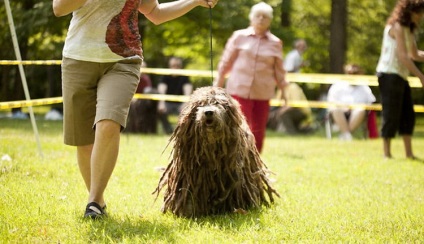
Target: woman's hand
<point>208,3</point>
<point>159,13</point>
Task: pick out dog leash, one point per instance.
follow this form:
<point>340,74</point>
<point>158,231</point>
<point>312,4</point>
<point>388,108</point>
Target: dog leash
<point>210,35</point>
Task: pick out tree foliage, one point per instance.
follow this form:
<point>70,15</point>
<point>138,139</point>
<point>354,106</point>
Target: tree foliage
<point>41,35</point>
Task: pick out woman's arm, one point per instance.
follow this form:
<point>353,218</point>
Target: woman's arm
<point>281,81</point>
<point>279,71</point>
<point>160,13</point>
<point>228,58</point>
<point>65,7</point>
<point>416,55</point>
<point>402,52</point>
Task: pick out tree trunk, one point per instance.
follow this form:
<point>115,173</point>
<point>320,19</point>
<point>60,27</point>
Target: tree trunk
<point>285,13</point>
<point>338,35</point>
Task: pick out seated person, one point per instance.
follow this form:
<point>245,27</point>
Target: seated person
<point>349,119</point>
<point>172,85</point>
<point>291,120</point>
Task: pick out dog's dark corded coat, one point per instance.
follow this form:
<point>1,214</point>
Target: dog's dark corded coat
<point>215,167</point>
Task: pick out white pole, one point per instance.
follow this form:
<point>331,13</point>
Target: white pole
<point>22,73</point>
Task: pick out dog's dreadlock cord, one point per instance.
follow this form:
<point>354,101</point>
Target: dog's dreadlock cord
<point>210,34</point>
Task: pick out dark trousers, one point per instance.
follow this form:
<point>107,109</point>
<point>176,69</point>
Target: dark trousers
<point>398,108</point>
<point>171,108</point>
<point>142,117</point>
<point>292,119</point>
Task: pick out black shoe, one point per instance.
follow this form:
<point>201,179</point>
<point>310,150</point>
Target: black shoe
<point>94,211</point>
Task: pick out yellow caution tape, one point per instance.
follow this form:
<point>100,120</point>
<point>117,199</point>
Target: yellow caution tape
<point>178,98</point>
<point>186,72</point>
<point>34,102</point>
<point>158,97</point>
<point>323,104</point>
<point>370,80</point>
<point>30,62</point>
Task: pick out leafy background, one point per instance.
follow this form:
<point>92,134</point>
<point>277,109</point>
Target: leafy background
<point>41,36</point>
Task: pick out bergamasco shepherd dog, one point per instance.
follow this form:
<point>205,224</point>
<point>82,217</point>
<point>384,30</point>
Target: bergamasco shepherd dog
<point>214,165</point>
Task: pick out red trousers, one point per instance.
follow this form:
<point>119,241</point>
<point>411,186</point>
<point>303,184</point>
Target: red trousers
<point>372,124</point>
<point>256,113</point>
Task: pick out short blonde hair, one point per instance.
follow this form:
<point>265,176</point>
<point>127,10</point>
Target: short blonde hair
<point>262,7</point>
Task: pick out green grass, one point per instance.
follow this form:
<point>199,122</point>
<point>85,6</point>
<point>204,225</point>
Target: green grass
<point>330,192</point>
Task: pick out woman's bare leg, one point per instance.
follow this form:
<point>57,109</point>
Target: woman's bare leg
<point>103,158</point>
<point>357,116</point>
<point>84,159</point>
<point>407,142</point>
<point>386,147</point>
<point>340,119</point>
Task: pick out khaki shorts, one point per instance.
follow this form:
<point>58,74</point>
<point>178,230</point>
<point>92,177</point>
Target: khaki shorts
<point>93,92</point>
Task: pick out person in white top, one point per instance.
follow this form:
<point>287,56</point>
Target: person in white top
<point>101,64</point>
<point>398,53</point>
<point>293,61</point>
<point>343,93</point>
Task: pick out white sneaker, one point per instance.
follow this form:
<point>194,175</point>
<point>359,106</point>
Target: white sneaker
<point>345,136</point>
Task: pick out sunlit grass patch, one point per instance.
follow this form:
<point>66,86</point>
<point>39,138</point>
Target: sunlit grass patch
<point>331,191</point>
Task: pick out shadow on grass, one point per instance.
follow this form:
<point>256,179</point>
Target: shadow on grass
<point>113,230</point>
<point>164,230</point>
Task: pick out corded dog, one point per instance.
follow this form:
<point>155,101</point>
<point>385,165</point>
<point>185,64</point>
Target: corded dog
<point>215,167</point>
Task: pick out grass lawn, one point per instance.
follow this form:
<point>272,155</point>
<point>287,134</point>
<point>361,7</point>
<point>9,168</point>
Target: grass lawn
<point>331,191</point>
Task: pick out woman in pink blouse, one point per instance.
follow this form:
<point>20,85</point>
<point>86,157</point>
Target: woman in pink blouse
<point>253,61</point>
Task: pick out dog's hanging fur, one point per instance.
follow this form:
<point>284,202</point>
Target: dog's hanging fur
<point>215,167</point>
